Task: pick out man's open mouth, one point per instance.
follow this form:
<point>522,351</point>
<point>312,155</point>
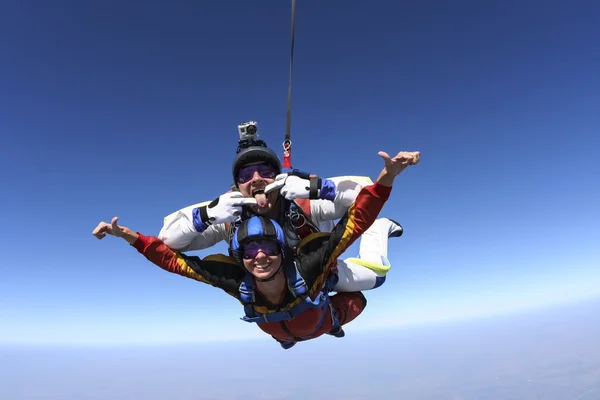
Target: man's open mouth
<point>261,197</point>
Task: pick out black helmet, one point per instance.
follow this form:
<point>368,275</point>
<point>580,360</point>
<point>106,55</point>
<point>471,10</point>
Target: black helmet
<point>254,154</point>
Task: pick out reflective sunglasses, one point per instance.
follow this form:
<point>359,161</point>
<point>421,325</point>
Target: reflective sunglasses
<point>269,247</point>
<point>264,170</point>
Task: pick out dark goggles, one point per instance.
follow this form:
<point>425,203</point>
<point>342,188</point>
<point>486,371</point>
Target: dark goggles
<point>269,247</point>
<point>264,170</point>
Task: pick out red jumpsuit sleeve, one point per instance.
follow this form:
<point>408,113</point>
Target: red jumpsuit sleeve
<point>216,270</point>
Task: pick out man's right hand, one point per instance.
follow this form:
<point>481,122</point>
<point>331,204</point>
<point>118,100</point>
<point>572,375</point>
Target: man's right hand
<point>225,208</point>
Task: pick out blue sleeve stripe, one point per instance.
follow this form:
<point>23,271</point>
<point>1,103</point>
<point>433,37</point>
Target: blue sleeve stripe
<point>197,219</point>
<point>328,190</point>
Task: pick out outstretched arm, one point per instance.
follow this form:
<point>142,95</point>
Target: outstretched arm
<point>359,217</point>
<point>216,270</point>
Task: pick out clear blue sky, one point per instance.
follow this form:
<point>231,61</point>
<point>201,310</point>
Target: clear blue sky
<point>130,109</point>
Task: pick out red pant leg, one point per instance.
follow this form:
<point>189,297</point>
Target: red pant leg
<point>348,305</point>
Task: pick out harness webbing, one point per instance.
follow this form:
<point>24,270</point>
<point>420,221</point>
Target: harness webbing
<point>287,144</point>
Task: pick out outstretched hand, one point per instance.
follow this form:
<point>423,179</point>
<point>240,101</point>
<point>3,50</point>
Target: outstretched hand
<point>114,229</point>
<point>402,160</point>
<point>394,166</point>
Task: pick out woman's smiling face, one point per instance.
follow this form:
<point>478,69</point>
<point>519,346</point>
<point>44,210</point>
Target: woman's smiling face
<point>262,258</point>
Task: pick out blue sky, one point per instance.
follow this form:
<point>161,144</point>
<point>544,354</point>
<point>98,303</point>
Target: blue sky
<point>130,109</point>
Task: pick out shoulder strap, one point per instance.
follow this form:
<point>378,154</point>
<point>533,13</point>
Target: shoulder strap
<point>247,290</point>
<point>296,282</point>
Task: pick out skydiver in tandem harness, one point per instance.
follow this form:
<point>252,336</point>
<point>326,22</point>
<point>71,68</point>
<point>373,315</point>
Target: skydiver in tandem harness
<point>285,292</point>
<point>301,204</point>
